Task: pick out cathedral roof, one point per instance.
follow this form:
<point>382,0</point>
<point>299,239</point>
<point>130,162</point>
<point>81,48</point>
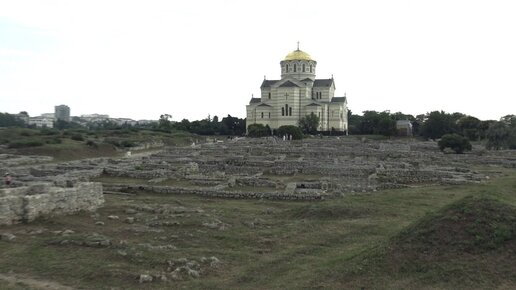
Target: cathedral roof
<point>313,104</point>
<point>338,100</point>
<point>323,82</point>
<point>255,100</point>
<point>264,105</point>
<point>298,55</point>
<point>288,84</point>
<point>268,83</point>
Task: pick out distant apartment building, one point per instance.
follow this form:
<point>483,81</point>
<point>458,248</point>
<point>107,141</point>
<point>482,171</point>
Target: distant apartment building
<point>62,112</point>
<point>48,115</point>
<point>91,118</point>
<point>122,121</point>
<point>41,122</point>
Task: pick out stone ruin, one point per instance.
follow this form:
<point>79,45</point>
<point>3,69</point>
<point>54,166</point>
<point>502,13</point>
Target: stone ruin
<point>267,168</point>
<point>26,203</point>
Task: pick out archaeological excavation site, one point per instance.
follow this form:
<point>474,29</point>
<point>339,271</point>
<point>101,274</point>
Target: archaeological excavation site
<point>256,213</point>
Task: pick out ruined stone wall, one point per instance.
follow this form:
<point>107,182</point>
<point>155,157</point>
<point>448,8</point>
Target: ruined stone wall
<point>30,202</point>
<point>216,193</point>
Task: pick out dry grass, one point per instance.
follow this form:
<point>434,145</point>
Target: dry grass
<point>339,243</point>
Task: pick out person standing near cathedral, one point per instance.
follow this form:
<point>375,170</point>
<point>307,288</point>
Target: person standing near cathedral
<point>8,179</point>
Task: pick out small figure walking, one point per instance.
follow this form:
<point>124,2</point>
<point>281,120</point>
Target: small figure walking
<point>8,179</point>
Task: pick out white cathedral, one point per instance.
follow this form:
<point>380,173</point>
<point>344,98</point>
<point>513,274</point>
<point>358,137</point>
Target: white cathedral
<point>297,94</point>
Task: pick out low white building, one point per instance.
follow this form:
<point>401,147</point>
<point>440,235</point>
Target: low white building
<point>42,122</point>
<point>404,128</point>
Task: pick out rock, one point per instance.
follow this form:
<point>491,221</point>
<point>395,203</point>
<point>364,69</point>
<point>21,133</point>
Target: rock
<point>36,232</point>
<point>145,278</point>
<point>105,243</point>
<point>7,237</point>
<point>130,211</point>
<point>193,265</point>
<point>214,261</point>
<point>193,273</point>
<point>129,220</point>
<point>99,223</point>
<point>97,240</point>
<point>67,232</point>
<point>113,217</point>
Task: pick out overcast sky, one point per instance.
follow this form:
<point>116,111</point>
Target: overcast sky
<point>191,59</point>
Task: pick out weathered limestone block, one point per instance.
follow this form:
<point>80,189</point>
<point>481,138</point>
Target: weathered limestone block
<point>11,210</point>
<point>29,203</point>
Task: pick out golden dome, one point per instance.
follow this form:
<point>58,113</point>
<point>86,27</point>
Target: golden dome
<point>298,55</point>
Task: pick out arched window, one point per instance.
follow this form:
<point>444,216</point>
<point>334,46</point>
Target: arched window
<point>269,115</point>
<point>310,68</point>
<point>303,67</point>
<point>286,68</point>
<point>262,115</point>
<point>282,111</point>
<point>269,96</point>
<point>286,109</point>
<point>290,111</point>
<point>295,67</point>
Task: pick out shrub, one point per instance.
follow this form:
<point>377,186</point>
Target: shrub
<point>77,137</point>
<point>91,144</point>
<point>25,143</point>
<point>127,143</point>
<point>47,131</point>
<point>54,141</point>
<point>258,130</point>
<point>455,142</point>
<point>294,131</point>
<point>498,136</point>
<point>112,141</point>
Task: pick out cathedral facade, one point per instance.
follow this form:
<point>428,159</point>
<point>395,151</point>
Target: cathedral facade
<point>298,93</point>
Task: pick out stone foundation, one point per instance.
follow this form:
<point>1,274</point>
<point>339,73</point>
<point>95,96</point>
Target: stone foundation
<point>25,204</point>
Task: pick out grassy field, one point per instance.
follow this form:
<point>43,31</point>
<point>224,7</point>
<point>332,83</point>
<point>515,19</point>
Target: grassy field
<point>74,144</point>
<point>441,237</point>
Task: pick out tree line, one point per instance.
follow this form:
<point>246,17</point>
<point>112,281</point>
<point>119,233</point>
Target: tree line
<point>434,125</point>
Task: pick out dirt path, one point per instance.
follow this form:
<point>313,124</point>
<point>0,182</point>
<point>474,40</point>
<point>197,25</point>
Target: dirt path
<point>23,281</point>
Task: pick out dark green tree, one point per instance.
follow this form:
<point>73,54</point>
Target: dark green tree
<point>385,125</point>
<point>232,126</point>
<point>469,127</point>
<point>62,125</point>
<point>309,123</point>
<point>354,122</point>
<point>164,122</point>
<point>290,130</point>
<point>509,120</point>
<point>258,130</point>
<point>377,123</point>
<point>9,120</point>
<point>439,123</point>
<point>498,136</point>
<point>455,142</point>
<point>184,125</point>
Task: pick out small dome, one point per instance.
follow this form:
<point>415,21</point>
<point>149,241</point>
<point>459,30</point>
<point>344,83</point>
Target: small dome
<point>298,55</point>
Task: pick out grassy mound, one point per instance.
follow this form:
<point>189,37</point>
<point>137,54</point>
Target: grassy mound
<point>468,242</point>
